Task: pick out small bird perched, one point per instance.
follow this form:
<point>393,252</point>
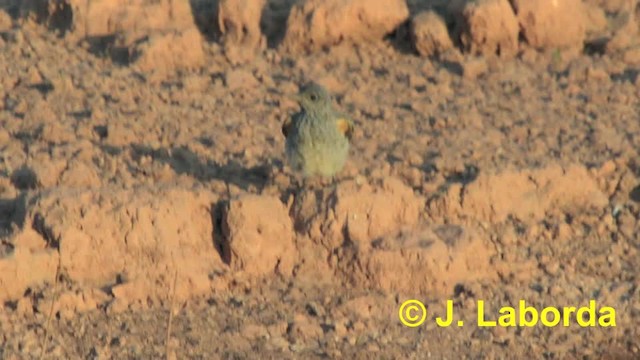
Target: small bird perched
<point>317,137</point>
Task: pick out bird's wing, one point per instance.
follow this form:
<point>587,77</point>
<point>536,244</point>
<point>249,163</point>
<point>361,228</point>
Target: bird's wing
<point>345,126</point>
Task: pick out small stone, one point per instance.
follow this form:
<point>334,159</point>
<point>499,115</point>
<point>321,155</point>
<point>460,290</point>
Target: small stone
<point>473,68</point>
<point>429,34</point>
<point>489,27</point>
<point>33,76</point>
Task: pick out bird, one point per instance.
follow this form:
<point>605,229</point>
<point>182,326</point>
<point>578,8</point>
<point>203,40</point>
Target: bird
<point>317,138</point>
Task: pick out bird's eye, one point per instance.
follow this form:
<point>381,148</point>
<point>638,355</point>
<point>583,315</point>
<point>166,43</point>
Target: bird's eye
<point>313,97</point>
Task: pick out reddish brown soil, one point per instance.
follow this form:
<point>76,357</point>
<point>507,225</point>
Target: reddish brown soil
<point>142,173</point>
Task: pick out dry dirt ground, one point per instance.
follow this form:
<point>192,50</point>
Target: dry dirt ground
<point>146,210</point>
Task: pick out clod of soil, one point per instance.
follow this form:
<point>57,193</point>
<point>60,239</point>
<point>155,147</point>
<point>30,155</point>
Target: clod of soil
<point>315,24</point>
<point>100,18</point>
<point>259,236</point>
<point>159,37</point>
<point>489,27</point>
<point>239,22</point>
<point>551,23</point>
<point>474,67</point>
<point>429,259</point>
<point>357,213</point>
<point>30,264</point>
<point>133,241</point>
<point>161,53</point>
<point>525,195</point>
<point>625,36</point>
<point>5,21</point>
<point>596,19</point>
<point>429,34</point>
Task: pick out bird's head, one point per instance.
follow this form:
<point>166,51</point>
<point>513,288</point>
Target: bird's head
<point>313,96</point>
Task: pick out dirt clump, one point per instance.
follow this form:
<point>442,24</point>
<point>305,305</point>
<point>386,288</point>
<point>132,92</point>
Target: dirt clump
<point>612,6</point>
<point>162,52</point>
<point>46,170</point>
<point>155,35</point>
<point>305,327</point>
<point>97,18</point>
<point>430,259</point>
<point>625,35</point>
<point>259,236</point>
<point>489,27</point>
<point>5,21</point>
<point>31,263</point>
<point>429,34</point>
<point>132,241</point>
<point>472,67</point>
<point>526,195</point>
<point>549,23</point>
<point>356,212</point>
<point>596,20</point>
<point>239,23</point>
<point>315,24</point>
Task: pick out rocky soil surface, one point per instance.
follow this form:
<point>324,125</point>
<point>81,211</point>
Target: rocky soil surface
<point>146,209</point>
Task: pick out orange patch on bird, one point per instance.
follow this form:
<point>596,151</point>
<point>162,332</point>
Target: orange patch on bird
<point>345,127</point>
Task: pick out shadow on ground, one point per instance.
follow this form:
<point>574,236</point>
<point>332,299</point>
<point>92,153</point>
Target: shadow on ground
<point>185,161</point>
